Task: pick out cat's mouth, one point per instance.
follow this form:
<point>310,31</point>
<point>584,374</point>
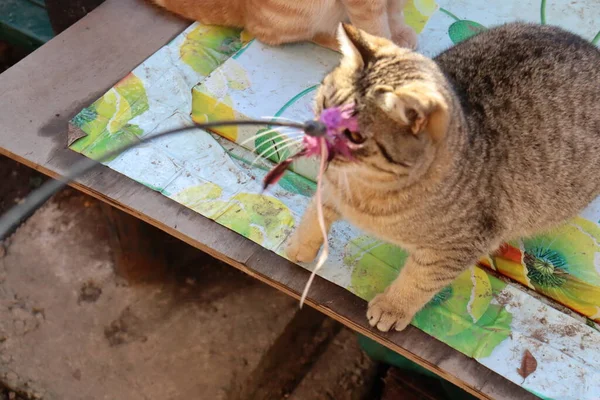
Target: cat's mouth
<point>351,154</point>
<point>355,138</point>
<point>334,134</point>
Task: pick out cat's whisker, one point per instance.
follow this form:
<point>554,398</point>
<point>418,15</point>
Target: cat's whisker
<point>287,143</point>
<point>271,154</point>
<point>279,143</point>
<point>347,184</point>
<point>279,130</point>
<point>286,135</point>
<point>261,134</point>
<point>273,117</point>
<point>278,150</point>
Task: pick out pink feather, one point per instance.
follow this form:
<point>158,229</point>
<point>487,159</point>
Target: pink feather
<point>337,120</point>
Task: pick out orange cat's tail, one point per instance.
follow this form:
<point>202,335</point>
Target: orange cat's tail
<point>210,12</point>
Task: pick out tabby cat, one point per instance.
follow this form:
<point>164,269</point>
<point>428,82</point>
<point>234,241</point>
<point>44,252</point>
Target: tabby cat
<point>283,21</point>
<point>495,139</point>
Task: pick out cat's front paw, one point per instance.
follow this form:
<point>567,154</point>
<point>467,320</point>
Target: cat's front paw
<point>385,313</point>
<point>405,36</point>
<point>302,251</point>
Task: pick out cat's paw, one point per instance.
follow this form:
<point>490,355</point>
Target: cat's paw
<point>386,314</point>
<point>302,251</point>
<point>405,36</point>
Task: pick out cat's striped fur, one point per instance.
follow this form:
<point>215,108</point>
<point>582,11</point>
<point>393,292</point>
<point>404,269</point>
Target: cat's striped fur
<point>495,139</point>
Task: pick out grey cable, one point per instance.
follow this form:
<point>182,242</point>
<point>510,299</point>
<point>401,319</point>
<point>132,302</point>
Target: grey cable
<point>10,220</point>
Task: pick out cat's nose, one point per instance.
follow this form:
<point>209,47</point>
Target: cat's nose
<point>315,128</point>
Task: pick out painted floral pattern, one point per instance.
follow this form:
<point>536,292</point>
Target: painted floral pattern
<point>106,121</point>
<point>462,29</point>
<point>418,12</point>
<point>207,108</point>
<point>562,265</point>
<point>262,219</point>
<point>206,47</point>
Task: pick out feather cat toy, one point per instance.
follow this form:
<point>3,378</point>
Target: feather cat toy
<point>326,137</point>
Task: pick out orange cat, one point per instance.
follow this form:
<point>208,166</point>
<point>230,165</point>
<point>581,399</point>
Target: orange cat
<point>284,21</point>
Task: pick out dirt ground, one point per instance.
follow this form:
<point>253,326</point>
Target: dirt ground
<point>70,328</point>
<point>16,181</point>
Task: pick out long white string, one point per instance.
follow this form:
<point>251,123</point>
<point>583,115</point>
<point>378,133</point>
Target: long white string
<point>288,143</point>
<point>321,218</point>
<point>279,130</point>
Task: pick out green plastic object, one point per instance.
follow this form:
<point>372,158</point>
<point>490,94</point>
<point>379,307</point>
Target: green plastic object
<point>382,354</point>
<point>463,30</point>
<point>24,23</point>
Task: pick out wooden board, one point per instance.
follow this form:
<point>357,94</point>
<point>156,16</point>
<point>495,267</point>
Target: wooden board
<point>94,54</point>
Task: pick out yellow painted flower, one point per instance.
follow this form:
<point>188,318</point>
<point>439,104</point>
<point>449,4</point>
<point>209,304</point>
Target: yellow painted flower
<point>207,108</point>
<point>231,76</point>
<point>107,119</point>
<point>418,12</point>
<point>206,47</point>
<point>202,199</point>
<point>110,142</point>
<point>106,106</point>
<point>235,75</point>
<point>562,265</point>
<point>211,101</point>
<point>132,92</point>
<point>121,115</point>
<point>262,219</point>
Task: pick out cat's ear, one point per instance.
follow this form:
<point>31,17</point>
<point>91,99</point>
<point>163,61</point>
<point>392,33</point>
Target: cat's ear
<point>417,104</point>
<point>356,51</point>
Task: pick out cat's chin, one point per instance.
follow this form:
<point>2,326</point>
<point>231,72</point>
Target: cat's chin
<point>384,172</point>
<point>341,165</point>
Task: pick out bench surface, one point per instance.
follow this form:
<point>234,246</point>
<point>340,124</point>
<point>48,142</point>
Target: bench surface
<point>94,54</point>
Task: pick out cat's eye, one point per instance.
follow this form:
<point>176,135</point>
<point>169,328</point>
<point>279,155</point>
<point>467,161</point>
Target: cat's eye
<point>354,137</point>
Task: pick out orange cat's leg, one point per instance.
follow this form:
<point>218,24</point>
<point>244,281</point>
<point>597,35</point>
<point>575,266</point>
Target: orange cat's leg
<point>402,34</point>
<point>322,39</point>
<point>369,15</point>
<point>327,40</point>
<point>210,12</point>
